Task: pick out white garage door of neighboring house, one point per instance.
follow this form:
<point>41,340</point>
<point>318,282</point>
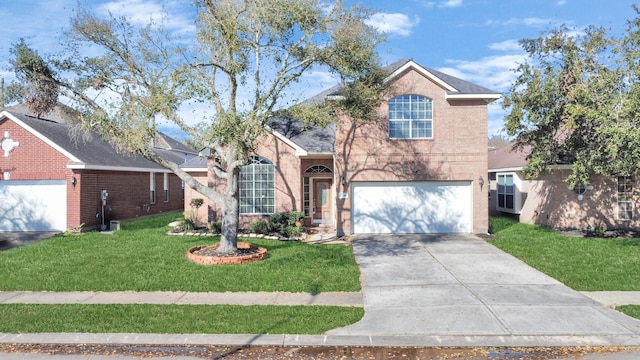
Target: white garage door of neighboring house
<point>33,205</point>
<point>411,207</point>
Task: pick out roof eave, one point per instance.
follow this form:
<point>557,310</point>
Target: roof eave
<point>299,150</point>
<point>487,97</point>
<point>83,166</point>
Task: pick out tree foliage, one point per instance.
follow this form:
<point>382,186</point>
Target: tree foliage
<point>575,101</point>
<point>240,64</point>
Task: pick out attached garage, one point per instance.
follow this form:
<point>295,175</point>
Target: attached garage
<point>411,207</point>
<point>33,205</point>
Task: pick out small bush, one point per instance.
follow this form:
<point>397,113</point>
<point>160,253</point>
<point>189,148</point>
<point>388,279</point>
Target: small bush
<point>259,227</point>
<point>215,227</point>
<point>286,223</point>
<point>196,203</point>
<point>188,224</point>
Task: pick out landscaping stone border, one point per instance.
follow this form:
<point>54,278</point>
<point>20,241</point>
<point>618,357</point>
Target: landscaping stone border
<point>240,235</point>
<point>216,260</point>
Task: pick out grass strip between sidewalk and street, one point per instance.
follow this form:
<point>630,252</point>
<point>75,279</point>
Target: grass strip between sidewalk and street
<point>142,257</point>
<point>631,310</point>
<point>583,264</point>
<point>175,319</point>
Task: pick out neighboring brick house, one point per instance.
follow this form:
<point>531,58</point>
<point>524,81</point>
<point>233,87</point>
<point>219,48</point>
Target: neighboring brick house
<point>547,200</point>
<point>51,179</point>
<point>420,168</point>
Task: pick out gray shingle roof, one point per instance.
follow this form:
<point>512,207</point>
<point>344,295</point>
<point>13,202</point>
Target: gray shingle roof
<point>91,150</point>
<point>313,139</point>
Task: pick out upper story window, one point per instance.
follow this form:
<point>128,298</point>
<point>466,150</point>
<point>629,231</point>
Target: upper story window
<point>625,198</point>
<point>410,117</point>
<point>257,187</point>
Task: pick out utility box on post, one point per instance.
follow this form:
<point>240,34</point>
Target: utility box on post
<point>114,225</point>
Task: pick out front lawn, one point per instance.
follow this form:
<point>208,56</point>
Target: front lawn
<point>584,264</point>
<point>142,257</point>
<point>175,319</point>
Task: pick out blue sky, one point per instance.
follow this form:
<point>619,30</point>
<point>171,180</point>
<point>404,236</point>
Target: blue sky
<point>475,40</point>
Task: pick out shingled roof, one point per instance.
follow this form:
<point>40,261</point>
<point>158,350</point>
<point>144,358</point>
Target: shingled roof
<point>89,150</point>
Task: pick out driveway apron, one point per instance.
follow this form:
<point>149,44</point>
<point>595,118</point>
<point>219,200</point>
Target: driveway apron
<point>460,285</point>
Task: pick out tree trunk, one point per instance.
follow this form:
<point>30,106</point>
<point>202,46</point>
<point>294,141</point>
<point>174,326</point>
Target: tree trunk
<point>230,215</point>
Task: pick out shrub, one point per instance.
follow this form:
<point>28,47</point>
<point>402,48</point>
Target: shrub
<point>215,227</point>
<point>187,224</point>
<point>195,204</point>
<point>286,223</point>
<point>259,227</point>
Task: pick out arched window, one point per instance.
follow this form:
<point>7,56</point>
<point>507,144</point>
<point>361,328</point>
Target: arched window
<point>318,169</point>
<point>410,117</point>
<point>257,187</point>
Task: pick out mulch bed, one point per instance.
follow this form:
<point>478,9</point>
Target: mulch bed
<point>213,251</point>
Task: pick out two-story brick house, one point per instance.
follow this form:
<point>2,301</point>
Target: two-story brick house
<point>420,168</point>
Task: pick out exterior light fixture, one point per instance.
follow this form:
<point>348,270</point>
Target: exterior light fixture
<point>343,181</point>
<point>481,182</point>
<point>74,181</point>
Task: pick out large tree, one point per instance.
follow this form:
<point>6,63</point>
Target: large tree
<point>247,56</point>
<point>576,100</point>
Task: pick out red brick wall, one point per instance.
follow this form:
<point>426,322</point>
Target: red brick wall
<point>34,159</point>
<point>458,150</point>
<point>129,195</point>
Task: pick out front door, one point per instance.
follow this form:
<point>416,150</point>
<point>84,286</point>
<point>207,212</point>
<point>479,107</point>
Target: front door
<point>322,200</point>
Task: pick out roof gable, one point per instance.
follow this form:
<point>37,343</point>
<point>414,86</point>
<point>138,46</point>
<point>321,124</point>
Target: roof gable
<point>88,150</point>
<point>455,88</point>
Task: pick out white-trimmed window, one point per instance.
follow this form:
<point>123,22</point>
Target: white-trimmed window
<point>152,188</point>
<point>625,198</point>
<point>506,193</point>
<point>410,117</point>
<point>257,187</point>
<point>165,180</point>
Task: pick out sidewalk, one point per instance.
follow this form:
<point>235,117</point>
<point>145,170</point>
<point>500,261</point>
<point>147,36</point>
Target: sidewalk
<point>166,298</point>
<point>606,298</point>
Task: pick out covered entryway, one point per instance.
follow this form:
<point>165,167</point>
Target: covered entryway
<point>411,207</point>
<point>33,205</point>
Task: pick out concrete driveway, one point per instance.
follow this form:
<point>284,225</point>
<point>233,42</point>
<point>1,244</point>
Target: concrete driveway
<point>458,290</point>
<point>11,239</point>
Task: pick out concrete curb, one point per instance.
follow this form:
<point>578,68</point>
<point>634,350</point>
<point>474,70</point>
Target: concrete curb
<point>322,340</point>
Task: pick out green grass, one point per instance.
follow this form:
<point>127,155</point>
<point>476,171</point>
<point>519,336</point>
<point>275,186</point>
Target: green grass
<point>631,310</point>
<point>142,257</point>
<point>175,319</point>
<point>585,264</point>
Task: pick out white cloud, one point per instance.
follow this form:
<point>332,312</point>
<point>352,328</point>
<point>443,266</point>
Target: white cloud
<point>425,3</point>
<point>494,72</point>
<point>450,3</point>
<point>142,12</point>
<point>530,21</point>
<point>508,45</point>
<point>398,24</point>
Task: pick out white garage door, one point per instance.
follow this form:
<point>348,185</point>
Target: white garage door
<point>411,207</point>
<point>33,205</point>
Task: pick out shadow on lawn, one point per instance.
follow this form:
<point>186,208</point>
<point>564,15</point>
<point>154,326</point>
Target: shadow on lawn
<point>499,223</point>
